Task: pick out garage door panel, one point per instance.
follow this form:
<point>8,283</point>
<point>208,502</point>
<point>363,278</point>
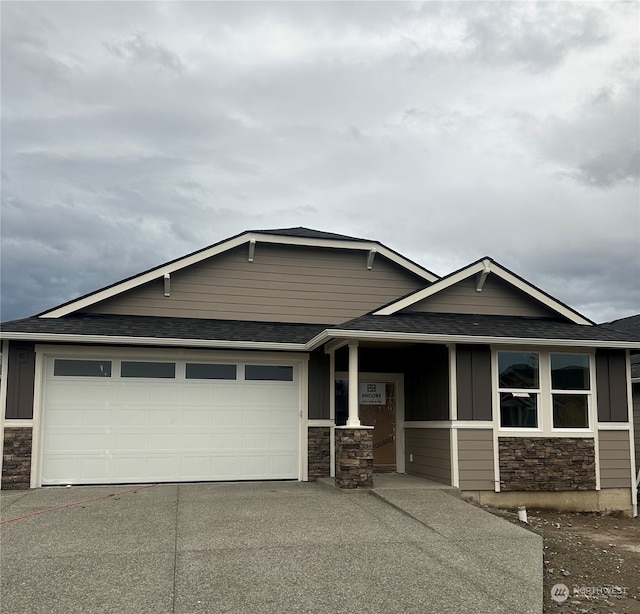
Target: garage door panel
<point>71,392</point>
<point>196,417</point>
<point>195,441</point>
<point>127,417</point>
<point>257,417</point>
<point>226,417</point>
<point>226,440</point>
<point>137,430</point>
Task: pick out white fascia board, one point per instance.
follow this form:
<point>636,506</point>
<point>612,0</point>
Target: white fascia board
<point>540,296</point>
<point>438,286</point>
<point>161,271</point>
<point>366,246</point>
<point>363,335</point>
<point>155,341</point>
<point>485,266</point>
<point>134,282</point>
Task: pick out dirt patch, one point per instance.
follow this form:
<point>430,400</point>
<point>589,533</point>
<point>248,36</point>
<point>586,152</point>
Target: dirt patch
<point>596,557</point>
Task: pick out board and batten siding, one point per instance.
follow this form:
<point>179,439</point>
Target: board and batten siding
<point>475,459</point>
<point>21,367</point>
<point>496,298</point>
<point>615,461</point>
<point>431,452</point>
<point>282,284</point>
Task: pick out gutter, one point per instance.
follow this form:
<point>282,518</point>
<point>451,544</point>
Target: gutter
<point>155,341</point>
<point>362,335</point>
<point>317,341</point>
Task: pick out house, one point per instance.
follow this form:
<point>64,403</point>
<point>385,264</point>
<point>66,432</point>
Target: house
<point>632,325</point>
<point>299,354</point>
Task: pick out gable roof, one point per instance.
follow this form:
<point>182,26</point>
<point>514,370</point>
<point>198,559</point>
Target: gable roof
<point>287,236</point>
<point>484,267</point>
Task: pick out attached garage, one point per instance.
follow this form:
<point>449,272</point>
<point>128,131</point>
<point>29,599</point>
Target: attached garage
<point>109,420</point>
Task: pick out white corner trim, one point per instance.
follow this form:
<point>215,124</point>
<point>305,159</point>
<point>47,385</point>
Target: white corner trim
<point>3,397</point>
<point>455,468</point>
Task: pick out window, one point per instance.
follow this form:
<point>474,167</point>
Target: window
<point>544,390</point>
<point>268,372</point>
<point>519,388</point>
<point>570,387</point>
<point>210,371</point>
<point>82,368</point>
<point>161,370</point>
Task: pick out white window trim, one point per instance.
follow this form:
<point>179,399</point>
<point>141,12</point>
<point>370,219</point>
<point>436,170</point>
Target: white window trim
<point>545,393</point>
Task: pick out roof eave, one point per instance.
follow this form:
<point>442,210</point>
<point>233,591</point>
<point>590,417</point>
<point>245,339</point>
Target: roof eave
<point>388,336</point>
<point>153,341</point>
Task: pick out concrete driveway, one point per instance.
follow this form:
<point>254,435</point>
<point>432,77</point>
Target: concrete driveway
<point>281,547</point>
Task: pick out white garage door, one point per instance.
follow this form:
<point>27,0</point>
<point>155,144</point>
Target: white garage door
<point>119,421</point>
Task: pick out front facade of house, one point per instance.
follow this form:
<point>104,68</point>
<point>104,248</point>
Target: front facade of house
<point>268,355</point>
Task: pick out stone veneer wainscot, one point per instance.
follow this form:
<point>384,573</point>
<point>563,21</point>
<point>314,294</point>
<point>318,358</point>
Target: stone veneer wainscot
<point>16,462</point>
<point>547,463</point>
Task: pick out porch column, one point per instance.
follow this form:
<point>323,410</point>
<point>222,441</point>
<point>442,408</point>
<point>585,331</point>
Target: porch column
<point>354,418</point>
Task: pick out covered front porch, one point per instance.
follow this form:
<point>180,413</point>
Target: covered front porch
<point>382,408</point>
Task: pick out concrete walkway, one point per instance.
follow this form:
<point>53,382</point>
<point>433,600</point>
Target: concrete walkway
<point>254,548</point>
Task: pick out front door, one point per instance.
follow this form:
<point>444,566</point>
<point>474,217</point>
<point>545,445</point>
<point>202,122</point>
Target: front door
<point>378,409</point>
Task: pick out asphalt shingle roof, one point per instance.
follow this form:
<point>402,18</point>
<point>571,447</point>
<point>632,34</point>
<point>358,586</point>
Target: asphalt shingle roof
<point>167,328</point>
<point>309,233</point>
<point>279,332</point>
<point>486,326</point>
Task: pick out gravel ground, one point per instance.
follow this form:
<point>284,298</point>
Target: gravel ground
<point>596,557</point>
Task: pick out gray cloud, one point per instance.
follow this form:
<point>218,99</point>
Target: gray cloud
<point>136,49</point>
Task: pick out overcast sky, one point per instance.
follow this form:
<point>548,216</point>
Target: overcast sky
<point>136,132</point>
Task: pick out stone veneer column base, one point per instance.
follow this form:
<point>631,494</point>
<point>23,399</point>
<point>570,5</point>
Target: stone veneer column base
<point>16,461</point>
<point>319,452</point>
<point>354,457</point>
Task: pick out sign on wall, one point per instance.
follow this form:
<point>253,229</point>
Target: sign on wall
<point>373,393</point>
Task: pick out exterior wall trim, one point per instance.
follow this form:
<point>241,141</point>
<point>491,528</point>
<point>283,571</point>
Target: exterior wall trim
<point>153,341</point>
<point>3,398</point>
<point>614,426</point>
<point>364,335</point>
<point>449,424</point>
<point>632,435</point>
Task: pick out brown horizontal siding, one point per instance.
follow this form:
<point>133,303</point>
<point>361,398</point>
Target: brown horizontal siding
<point>431,451</point>
<point>284,283</point>
<point>475,459</point>
<point>497,298</point>
<point>615,461</point>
